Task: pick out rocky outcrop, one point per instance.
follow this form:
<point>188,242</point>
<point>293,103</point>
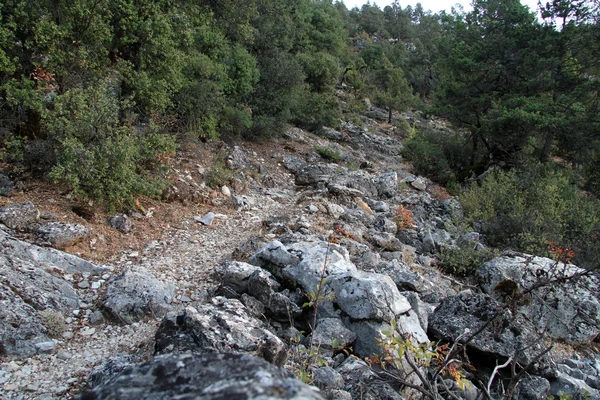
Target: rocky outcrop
<point>202,376</point>
<point>32,281</point>
<point>221,326</point>
<point>19,217</point>
<point>495,332</point>
<point>562,300</point>
<point>60,235</point>
<point>136,294</point>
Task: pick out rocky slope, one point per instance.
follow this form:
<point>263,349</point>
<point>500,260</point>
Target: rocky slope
<point>216,308</point>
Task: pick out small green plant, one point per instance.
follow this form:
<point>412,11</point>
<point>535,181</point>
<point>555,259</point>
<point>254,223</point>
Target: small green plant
<point>465,259</point>
<point>328,153</point>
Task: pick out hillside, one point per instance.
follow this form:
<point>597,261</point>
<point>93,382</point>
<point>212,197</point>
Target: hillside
<point>183,280</point>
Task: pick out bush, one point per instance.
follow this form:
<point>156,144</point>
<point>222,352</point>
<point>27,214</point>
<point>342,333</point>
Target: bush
<point>464,260</point>
<point>428,159</point>
<point>529,208</point>
<point>328,153</point>
<point>100,158</point>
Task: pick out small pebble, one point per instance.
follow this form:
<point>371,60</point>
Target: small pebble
<point>64,355</point>
<point>83,284</point>
<point>68,335</point>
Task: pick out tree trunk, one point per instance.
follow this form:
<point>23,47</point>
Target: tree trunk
<point>389,114</point>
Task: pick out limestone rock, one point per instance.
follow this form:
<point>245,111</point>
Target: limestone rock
<point>121,223</point>
<point>330,329</point>
<point>387,184</point>
<point>133,295</point>
<point>46,258</point>
<point>502,338</point>
<point>235,274</point>
<point>20,325</point>
<point>60,235</point>
<point>568,311</point>
<point>19,217</point>
<point>369,296</point>
<point>294,164</point>
<point>222,326</point>
<point>242,202</point>
<point>202,376</point>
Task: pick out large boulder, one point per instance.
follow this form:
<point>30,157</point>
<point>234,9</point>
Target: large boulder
<point>503,334</point>
<point>565,306</point>
<point>136,294</point>
<point>369,296</point>
<point>221,326</point>
<point>202,376</point>
<point>314,257</point>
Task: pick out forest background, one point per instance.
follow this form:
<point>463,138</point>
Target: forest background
<point>95,94</point>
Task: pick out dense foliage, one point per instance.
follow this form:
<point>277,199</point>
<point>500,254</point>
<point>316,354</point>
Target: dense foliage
<point>93,94</point>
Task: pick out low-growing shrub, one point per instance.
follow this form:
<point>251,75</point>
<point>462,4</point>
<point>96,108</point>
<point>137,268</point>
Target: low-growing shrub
<point>529,208</point>
<point>464,260</point>
<point>328,153</point>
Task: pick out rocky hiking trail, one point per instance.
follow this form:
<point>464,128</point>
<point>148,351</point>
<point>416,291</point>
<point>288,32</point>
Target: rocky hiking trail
<point>201,296</point>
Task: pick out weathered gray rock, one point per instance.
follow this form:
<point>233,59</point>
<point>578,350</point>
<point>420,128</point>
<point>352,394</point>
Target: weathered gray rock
<point>384,224</point>
<point>387,184</point>
<point>369,296</point>
<point>110,368</point>
<point>329,330</point>
<point>6,185</point>
<point>533,388</point>
<point>19,217</point>
<point>220,326</point>
<point>235,274</point>
<point>409,324</point>
<point>315,173</point>
<point>386,241</point>
<point>237,159</point>
<point>314,256</point>
<point>576,389</point>
<point>335,210</point>
<point>242,202</point>
<point>568,311</point>
<point>262,286</point>
<point>207,219</point>
<point>363,383</point>
<point>46,258</point>
<point>60,235</point>
<point>504,337</point>
<point>327,378</point>
<point>419,184</point>
<point>134,295</point>
<point>36,287</point>
<point>367,335</point>
<point>20,325</point>
<point>294,164</point>
<point>358,180</point>
<point>120,222</point>
<point>202,376</point>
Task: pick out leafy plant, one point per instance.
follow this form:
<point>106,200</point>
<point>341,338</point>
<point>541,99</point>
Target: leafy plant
<point>328,153</point>
<point>100,158</point>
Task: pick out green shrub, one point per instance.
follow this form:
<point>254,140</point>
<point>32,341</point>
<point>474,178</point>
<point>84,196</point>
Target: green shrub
<point>428,159</point>
<point>328,153</point>
<point>100,158</point>
<point>529,208</point>
<point>464,260</point>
